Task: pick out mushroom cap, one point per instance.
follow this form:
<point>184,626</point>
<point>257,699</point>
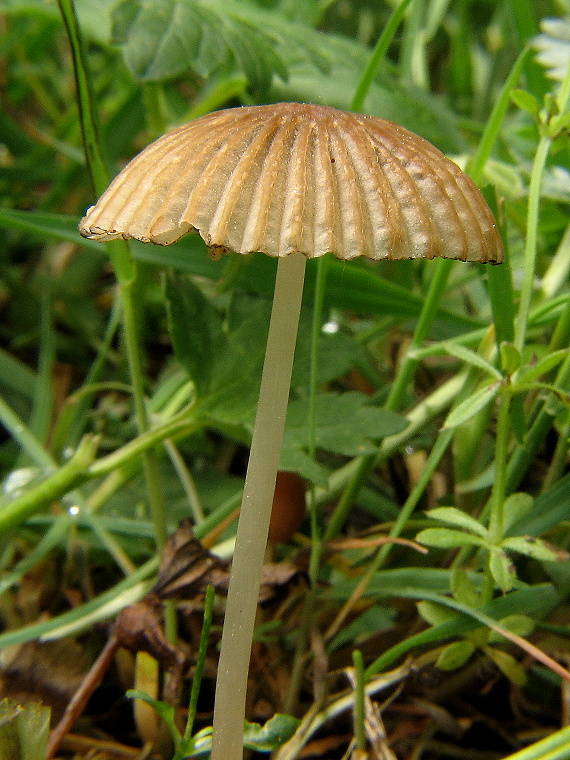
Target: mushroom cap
<point>297,178</point>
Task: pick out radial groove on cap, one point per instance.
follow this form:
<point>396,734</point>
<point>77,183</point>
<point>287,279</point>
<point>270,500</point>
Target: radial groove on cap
<point>263,198</point>
<point>290,178</point>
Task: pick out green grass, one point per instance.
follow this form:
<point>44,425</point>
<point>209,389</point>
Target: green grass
<point>464,369</point>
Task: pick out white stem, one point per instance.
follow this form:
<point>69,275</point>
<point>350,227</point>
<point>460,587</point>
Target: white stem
<point>253,526</point>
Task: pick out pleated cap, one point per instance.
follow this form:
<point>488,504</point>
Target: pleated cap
<point>296,178</point>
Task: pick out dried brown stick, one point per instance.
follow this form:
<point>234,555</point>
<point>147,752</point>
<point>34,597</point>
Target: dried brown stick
<point>82,695</point>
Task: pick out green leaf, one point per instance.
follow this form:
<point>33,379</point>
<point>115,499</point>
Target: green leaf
<point>558,124</point>
<point>95,19</point>
<point>337,354</point>
<point>525,101</point>
<point>507,665</point>
<point>434,614</point>
<point>455,655</point>
<point>195,329</point>
<point>470,357</point>
<point>272,734</point>
<point>236,369</point>
<point>167,38</point>
<point>505,178</point>
<point>267,738</point>
<point>197,745</point>
<point>345,423</point>
<point>16,376</point>
<point>294,459</point>
<point>535,548</point>
<point>516,506</point>
<point>522,625</point>
<point>455,516</point>
<point>39,7</point>
<point>373,620</point>
<point>471,406</point>
<point>463,588</point>
<point>550,509</point>
<point>165,711</point>
<point>510,357</point>
<point>536,600</point>
<point>502,569</point>
<point>356,288</point>
<point>389,582</point>
<point>444,538</point>
<point>24,730</point>
<point>543,366</point>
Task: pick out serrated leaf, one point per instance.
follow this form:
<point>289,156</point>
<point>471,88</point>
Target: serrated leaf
<point>471,406</point>
<point>543,366</point>
<point>455,516</point>
<point>435,614</point>
<point>166,38</point>
<point>553,46</point>
<point>535,548</point>
<point>272,734</point>
<point>195,329</point>
<point>463,588</point>
<point>507,665</point>
<point>345,423</point>
<point>470,357</point>
<point>455,655</point>
<point>337,354</point>
<point>294,459</point>
<point>236,368</point>
<point>444,538</point>
<point>516,506</point>
<point>502,570</point>
<point>522,625</point>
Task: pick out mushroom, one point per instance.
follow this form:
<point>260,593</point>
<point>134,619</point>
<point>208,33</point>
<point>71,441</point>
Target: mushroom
<point>294,181</point>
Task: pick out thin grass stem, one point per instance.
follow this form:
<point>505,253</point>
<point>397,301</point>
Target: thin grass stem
<point>378,54</point>
<point>530,249</point>
<point>359,697</point>
<point>209,599</point>
<point>123,262</point>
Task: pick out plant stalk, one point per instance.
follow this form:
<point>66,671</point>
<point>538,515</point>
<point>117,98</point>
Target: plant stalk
<point>257,500</point>
<point>123,263</point>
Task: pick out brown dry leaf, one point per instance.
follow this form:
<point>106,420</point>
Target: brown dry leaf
<point>188,568</point>
<point>275,578</point>
<point>139,629</point>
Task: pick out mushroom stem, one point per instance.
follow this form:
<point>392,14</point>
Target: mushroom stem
<point>255,513</point>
